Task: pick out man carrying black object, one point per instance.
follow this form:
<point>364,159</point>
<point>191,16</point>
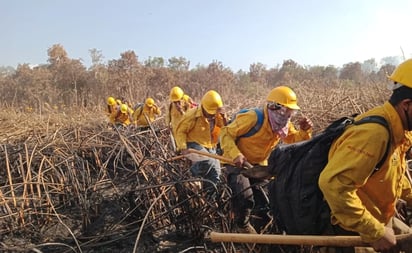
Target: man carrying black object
<point>363,201</point>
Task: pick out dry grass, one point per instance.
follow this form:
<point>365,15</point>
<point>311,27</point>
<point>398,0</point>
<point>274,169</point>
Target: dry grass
<point>71,184</point>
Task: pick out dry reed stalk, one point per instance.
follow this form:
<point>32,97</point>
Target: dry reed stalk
<point>24,193</point>
<point>5,203</point>
<point>9,176</point>
<point>145,218</point>
<point>178,157</point>
<point>29,160</point>
<point>60,220</point>
<point>335,105</point>
<point>19,200</point>
<point>39,177</point>
<point>131,153</point>
<point>355,106</point>
<point>49,244</point>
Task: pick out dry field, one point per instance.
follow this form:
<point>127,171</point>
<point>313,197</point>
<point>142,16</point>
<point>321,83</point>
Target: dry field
<point>69,183</point>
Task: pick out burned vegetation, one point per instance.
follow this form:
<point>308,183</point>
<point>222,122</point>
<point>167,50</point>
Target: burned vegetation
<point>90,188</point>
<point>70,183</point>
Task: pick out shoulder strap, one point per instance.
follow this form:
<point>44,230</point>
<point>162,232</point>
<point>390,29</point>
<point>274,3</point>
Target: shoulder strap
<point>382,121</point>
<point>118,112</point>
<point>258,124</point>
<point>170,113</point>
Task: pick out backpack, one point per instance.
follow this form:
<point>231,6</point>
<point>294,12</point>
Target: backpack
<point>257,126</point>
<point>252,131</point>
<point>138,106</point>
<point>296,201</point>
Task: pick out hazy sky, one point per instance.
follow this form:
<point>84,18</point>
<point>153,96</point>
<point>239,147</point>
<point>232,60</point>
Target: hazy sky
<point>234,32</point>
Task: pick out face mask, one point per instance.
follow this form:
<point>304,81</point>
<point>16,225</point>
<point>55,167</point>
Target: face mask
<point>279,122</point>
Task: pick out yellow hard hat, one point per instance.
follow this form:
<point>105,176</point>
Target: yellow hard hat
<point>176,94</point>
<point>149,102</point>
<point>211,101</point>
<point>111,101</point>
<point>403,74</point>
<point>186,97</point>
<point>283,95</point>
<point>123,108</point>
<point>118,101</point>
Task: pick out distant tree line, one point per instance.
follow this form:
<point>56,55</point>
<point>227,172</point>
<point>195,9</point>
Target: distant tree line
<point>67,82</point>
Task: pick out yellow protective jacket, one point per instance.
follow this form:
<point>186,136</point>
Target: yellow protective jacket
<point>362,200</point>
<point>194,127</point>
<point>120,118</point>
<point>406,183</point>
<point>113,113</point>
<point>139,118</point>
<point>110,109</point>
<point>174,116</point>
<point>255,148</point>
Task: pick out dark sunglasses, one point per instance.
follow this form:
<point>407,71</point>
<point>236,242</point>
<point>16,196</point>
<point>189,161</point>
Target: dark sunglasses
<point>282,110</point>
<point>274,106</point>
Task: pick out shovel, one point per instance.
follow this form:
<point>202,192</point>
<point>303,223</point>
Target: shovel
<point>259,172</point>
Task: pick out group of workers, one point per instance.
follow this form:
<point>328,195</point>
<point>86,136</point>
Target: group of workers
<point>207,126</point>
<point>121,113</point>
<point>361,202</point>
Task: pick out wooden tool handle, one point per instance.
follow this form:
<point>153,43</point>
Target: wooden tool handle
<point>247,165</point>
<point>318,240</point>
<point>219,157</point>
<point>249,170</point>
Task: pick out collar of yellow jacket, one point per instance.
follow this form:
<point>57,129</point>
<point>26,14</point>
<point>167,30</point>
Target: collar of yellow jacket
<point>395,123</point>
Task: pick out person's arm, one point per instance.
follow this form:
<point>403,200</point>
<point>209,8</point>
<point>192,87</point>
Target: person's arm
<point>112,117</point>
<point>221,117</point>
<point>157,110</point>
<point>182,129</point>
<point>229,133</point>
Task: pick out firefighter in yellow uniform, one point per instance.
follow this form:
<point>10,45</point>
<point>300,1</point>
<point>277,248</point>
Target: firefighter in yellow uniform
<point>281,105</point>
<point>176,108</point>
<point>111,108</point>
<point>362,200</point>
<point>146,113</point>
<point>121,117</point>
<point>196,130</point>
